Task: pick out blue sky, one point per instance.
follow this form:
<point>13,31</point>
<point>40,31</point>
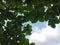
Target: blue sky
<point>42,34</point>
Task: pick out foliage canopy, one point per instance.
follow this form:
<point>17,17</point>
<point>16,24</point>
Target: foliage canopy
<point>20,11</point>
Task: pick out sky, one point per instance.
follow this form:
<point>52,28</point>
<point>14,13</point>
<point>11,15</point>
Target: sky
<point>42,34</point>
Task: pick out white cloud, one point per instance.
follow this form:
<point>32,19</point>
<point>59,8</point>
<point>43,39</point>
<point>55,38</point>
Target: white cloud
<point>46,36</point>
<point>58,43</point>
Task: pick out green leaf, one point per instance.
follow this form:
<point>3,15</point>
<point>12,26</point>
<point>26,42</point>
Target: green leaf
<point>51,23</point>
<point>32,44</point>
<point>27,29</point>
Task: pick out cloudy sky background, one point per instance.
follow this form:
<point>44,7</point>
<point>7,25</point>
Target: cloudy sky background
<point>43,34</point>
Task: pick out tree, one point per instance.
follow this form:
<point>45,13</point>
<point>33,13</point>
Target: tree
<point>20,11</point>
